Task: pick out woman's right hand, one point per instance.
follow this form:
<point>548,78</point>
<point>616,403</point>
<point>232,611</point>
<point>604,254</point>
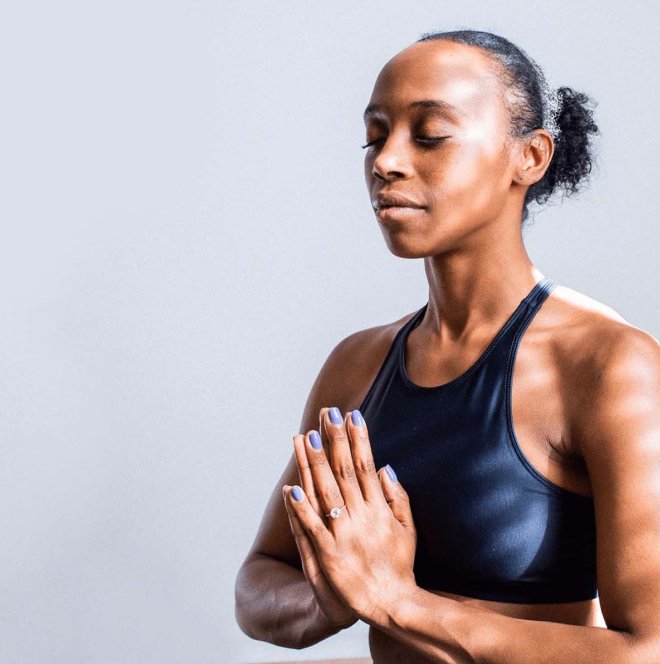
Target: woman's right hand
<point>333,607</point>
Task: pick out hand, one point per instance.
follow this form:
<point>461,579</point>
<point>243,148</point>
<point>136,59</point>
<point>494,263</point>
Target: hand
<point>367,553</point>
<point>332,606</point>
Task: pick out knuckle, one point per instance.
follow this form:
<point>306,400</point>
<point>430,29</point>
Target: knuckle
<point>344,470</point>
<point>318,460</point>
<point>333,495</point>
<point>365,466</point>
<point>303,465</point>
<point>337,434</point>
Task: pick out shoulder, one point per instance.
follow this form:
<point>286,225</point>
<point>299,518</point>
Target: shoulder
<point>592,334</point>
<point>350,368</point>
<point>611,388</point>
<point>359,356</point>
<point>601,356</point>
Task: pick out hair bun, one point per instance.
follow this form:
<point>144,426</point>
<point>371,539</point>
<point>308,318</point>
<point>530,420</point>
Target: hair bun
<point>572,160</point>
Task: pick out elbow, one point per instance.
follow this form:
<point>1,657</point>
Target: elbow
<point>246,607</point>
<point>253,615</point>
<point>250,625</point>
<point>242,613</point>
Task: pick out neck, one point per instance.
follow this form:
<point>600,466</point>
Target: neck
<point>479,285</point>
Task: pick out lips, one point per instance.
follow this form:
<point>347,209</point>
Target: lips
<point>385,200</point>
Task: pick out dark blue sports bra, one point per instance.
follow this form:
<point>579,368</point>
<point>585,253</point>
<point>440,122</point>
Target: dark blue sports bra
<point>489,525</point>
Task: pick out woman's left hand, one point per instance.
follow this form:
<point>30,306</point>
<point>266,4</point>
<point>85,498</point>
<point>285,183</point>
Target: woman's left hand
<point>367,552</point>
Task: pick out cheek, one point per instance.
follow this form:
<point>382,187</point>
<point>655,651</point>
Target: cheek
<point>471,170</point>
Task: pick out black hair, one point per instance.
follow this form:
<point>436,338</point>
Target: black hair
<point>533,104</point>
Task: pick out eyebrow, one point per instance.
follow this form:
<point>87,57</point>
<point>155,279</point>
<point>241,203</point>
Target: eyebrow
<point>436,105</point>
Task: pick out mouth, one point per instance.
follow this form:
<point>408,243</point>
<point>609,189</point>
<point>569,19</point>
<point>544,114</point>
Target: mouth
<point>397,212</point>
<point>395,205</point>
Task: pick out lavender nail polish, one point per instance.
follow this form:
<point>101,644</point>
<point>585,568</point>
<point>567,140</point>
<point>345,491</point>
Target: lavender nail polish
<point>390,472</point>
<point>297,493</point>
<point>315,440</point>
<point>356,417</point>
<point>335,415</point>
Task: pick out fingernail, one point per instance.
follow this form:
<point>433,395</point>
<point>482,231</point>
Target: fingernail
<point>297,493</point>
<point>356,417</point>
<point>335,415</point>
<point>391,473</point>
<point>315,440</point>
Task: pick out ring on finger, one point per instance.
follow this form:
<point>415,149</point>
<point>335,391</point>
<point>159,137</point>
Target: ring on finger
<point>335,512</point>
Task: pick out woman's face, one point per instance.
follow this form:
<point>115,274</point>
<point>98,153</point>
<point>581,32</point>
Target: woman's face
<point>437,129</point>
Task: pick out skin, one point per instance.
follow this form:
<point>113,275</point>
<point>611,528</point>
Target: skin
<point>586,414</point>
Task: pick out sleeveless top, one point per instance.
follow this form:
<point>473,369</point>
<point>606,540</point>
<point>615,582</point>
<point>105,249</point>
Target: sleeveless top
<point>489,525</point>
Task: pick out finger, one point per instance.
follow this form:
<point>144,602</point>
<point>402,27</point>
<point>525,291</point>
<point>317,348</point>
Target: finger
<point>327,489</point>
<point>310,565</point>
<point>397,497</point>
<point>305,472</point>
<point>311,522</point>
<point>363,459</point>
<point>338,452</point>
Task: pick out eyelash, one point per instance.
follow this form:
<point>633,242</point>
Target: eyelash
<point>426,140</point>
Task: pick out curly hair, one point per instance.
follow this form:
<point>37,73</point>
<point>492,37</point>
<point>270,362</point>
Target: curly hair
<point>532,104</point>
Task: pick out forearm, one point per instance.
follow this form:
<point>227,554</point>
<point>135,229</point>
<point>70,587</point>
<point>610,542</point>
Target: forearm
<point>448,631</point>
<point>275,603</point>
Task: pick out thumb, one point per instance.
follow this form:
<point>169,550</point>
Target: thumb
<point>397,497</point>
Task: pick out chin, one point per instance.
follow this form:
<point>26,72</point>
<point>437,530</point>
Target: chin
<point>399,247</point>
<point>437,236</point>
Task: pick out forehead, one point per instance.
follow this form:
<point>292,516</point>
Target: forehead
<point>461,75</point>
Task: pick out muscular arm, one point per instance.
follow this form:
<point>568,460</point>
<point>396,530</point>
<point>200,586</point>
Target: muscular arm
<point>273,600</point>
<point>617,424</point>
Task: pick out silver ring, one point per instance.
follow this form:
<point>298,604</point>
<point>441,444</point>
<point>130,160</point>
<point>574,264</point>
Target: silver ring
<point>336,511</point>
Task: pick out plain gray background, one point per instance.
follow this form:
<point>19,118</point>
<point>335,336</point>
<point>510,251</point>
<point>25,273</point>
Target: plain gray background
<point>186,236</point>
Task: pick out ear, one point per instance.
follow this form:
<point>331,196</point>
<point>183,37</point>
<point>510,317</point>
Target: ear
<point>535,156</point>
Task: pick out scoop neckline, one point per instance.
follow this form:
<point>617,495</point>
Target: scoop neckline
<point>416,320</point>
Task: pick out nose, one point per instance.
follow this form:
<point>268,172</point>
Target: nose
<point>393,160</point>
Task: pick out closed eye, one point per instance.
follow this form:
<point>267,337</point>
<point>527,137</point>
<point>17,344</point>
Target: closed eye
<point>370,143</point>
<point>425,140</point>
<point>431,140</point>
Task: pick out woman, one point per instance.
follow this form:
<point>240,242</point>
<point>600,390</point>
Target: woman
<point>515,422</point>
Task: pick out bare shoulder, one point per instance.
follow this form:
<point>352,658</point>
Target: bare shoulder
<point>350,368</point>
<point>610,377</point>
<point>600,355</point>
<point>590,333</point>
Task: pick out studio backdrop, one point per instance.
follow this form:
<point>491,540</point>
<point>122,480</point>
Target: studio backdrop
<point>186,236</point>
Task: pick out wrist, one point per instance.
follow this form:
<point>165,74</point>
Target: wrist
<point>333,622</point>
<point>392,605</point>
<point>413,608</point>
<point>402,612</point>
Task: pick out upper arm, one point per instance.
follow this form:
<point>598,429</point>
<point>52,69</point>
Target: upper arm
<point>340,382</point>
<point>617,425</point>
